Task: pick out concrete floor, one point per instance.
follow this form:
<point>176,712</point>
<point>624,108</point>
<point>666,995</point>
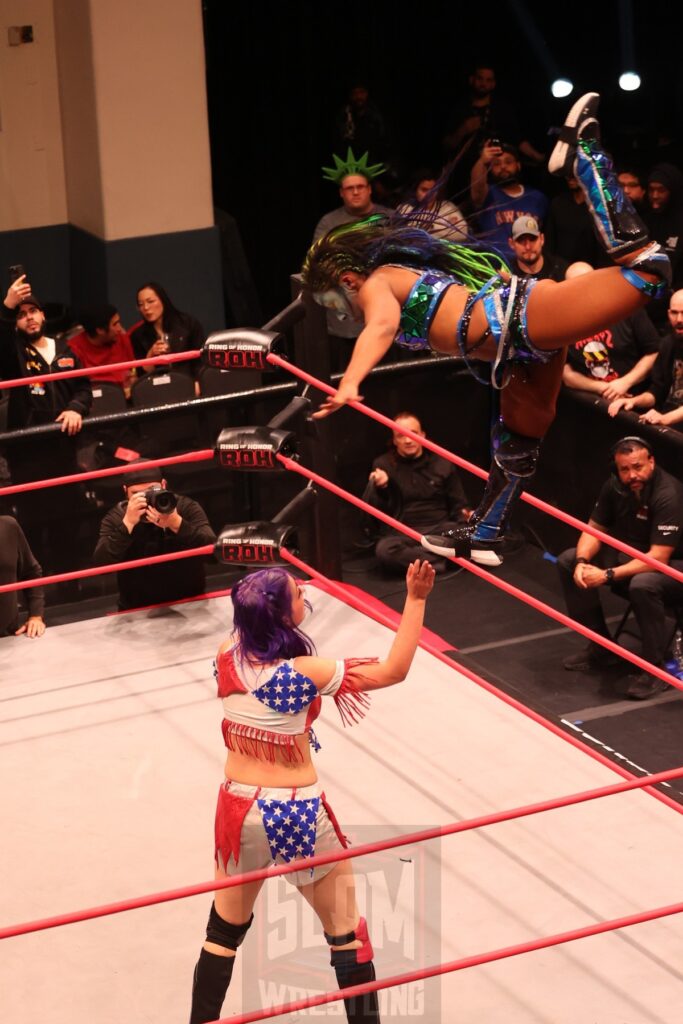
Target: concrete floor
<point>111,755</point>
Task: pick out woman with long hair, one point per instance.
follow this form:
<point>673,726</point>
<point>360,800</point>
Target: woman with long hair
<point>164,328</point>
<point>424,292</point>
<point>271,806</point>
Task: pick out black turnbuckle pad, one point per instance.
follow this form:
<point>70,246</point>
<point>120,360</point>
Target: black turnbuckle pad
<point>241,349</point>
<point>255,543</point>
<point>254,447</point>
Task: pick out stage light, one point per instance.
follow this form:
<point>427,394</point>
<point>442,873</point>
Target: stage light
<point>629,81</point>
<point>563,87</point>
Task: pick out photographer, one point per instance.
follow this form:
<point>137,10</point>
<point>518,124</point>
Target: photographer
<point>153,521</point>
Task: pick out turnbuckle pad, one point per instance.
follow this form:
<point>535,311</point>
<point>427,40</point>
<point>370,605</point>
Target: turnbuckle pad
<point>255,543</point>
<point>241,349</point>
<point>255,448</point>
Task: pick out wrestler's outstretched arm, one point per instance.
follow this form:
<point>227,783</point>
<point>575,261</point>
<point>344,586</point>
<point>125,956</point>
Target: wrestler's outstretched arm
<point>382,314</point>
<point>395,667</point>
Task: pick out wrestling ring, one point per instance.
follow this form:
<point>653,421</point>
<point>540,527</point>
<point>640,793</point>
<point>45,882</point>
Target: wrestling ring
<point>508,878</point>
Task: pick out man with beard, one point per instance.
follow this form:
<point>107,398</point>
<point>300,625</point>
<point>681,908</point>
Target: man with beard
<point>663,214</point>
<point>641,505</point>
<point>26,352</point>
<point>102,342</point>
<point>500,197</point>
<point>530,259</point>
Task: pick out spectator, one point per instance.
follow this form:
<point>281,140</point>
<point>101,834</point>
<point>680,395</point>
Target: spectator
<point>18,563</point>
<point>104,341</point>
<point>633,184</point>
<point>530,258</point>
<point>664,399</point>
<point>361,124</point>
<point>663,214</point>
<point>569,230</point>
<point>135,529</point>
<point>164,328</point>
<point>500,197</point>
<point>486,115</point>
<point>643,506</point>
<point>614,363</point>
<point>419,489</point>
<point>27,351</point>
<point>354,178</point>
<point>440,218</point>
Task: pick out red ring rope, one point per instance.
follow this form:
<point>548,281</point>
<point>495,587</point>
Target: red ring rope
<point>102,570</point>
<point>342,592</point>
<point>457,965</point>
<point>472,567</point>
<point>333,856</point>
<point>97,474</point>
<point>538,503</point>
<point>92,371</point>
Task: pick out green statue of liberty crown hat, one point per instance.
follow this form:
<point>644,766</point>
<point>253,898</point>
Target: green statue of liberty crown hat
<point>352,165</point>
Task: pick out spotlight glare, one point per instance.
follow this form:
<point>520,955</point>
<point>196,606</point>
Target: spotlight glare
<point>629,81</point>
<point>561,87</point>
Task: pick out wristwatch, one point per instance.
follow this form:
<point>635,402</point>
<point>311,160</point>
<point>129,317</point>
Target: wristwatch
<point>609,576</point>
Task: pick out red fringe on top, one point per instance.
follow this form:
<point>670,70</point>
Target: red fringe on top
<point>260,743</point>
<point>351,701</point>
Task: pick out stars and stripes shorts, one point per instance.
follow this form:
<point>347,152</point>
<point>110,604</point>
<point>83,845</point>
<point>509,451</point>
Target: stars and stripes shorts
<point>260,825</point>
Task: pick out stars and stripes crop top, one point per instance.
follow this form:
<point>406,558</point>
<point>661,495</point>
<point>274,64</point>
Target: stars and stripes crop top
<point>267,707</point>
<point>419,309</point>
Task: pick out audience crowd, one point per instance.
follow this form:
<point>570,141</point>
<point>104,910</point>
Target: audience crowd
<point>496,191</point>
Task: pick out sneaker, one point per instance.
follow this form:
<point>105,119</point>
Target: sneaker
<point>644,686</point>
<point>459,543</point>
<point>561,160</point>
<point>590,659</point>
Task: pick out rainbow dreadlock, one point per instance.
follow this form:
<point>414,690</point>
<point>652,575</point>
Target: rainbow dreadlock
<point>367,244</point>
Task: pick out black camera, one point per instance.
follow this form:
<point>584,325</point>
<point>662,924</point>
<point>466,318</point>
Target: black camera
<point>162,500</point>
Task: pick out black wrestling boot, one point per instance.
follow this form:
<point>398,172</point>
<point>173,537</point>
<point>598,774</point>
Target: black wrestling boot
<point>578,152</point>
<point>212,976</point>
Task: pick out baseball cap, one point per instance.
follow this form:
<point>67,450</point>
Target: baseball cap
<point>31,300</point>
<point>525,226</point>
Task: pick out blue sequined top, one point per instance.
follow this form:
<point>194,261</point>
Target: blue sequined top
<point>419,309</point>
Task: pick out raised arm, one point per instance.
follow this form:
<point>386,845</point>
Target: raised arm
<point>394,668</point>
<point>382,314</point>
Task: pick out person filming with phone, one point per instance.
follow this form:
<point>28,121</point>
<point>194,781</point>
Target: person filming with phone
<point>153,521</point>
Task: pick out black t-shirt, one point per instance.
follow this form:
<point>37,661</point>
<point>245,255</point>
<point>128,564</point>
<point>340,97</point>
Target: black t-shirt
<point>616,350</point>
<point>17,562</point>
<point>554,268</point>
<point>667,374</point>
<point>655,517</point>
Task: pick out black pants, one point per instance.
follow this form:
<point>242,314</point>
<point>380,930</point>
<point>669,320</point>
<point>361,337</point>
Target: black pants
<point>650,593</point>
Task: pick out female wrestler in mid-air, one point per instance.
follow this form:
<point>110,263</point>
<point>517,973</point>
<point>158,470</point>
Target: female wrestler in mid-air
<point>271,806</point>
<point>423,292</point>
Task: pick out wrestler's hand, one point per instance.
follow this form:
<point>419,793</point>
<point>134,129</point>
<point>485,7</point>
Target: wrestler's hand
<point>345,393</point>
<point>379,477</point>
<point>17,292</point>
<point>71,421</point>
<point>420,579</point>
<point>33,627</point>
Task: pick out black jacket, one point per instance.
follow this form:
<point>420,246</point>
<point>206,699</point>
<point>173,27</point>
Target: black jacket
<point>168,581</point>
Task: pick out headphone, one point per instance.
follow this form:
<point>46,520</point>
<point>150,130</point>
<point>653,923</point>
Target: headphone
<point>637,442</point>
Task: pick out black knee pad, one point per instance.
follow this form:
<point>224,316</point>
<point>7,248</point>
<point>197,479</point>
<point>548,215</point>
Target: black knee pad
<point>355,967</point>
<point>230,936</point>
<point>515,454</point>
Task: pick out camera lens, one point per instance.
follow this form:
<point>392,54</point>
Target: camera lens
<point>162,500</point>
